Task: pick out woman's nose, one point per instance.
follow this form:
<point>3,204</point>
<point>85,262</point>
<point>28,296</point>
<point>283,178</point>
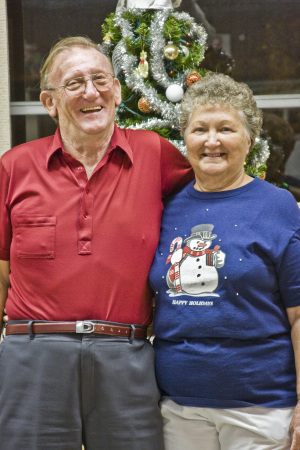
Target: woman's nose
<point>212,139</point>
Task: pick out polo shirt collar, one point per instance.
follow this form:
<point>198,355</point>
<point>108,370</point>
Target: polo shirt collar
<point>118,140</point>
<point>56,145</point>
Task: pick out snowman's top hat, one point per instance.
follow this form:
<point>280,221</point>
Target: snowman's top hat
<point>203,231</point>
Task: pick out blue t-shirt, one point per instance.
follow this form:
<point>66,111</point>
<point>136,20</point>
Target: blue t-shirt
<point>226,268</point>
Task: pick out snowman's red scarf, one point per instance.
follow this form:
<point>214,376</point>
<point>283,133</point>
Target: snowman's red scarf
<point>187,250</point>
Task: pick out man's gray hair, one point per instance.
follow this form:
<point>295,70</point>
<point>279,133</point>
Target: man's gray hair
<point>61,46</point>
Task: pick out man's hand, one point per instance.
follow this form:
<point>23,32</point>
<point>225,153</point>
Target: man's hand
<point>4,285</point>
<point>5,317</point>
<point>295,428</point>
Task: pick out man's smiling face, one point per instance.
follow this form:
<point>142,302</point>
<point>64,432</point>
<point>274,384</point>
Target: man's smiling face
<point>92,113</point>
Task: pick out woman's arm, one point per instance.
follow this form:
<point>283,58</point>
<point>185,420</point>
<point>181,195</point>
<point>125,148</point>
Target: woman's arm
<point>294,319</point>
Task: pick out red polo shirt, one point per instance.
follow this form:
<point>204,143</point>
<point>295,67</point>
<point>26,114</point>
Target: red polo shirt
<point>78,248</point>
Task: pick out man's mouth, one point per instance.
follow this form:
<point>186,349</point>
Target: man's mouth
<point>91,109</point>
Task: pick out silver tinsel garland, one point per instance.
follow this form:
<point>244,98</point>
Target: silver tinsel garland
<point>124,61</point>
<point>159,123</point>
<point>260,156</point>
<point>157,44</point>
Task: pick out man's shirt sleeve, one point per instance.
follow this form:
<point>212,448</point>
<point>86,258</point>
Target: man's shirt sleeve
<point>176,171</point>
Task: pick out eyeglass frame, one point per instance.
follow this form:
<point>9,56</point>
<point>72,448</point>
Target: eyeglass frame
<point>108,76</point>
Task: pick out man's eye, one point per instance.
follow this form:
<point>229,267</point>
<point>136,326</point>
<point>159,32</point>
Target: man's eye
<point>74,84</point>
<point>100,78</point>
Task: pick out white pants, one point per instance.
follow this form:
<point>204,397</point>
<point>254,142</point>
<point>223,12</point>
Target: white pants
<point>252,428</point>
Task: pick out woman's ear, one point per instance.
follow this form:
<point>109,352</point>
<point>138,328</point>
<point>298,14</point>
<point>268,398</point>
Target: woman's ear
<point>48,103</point>
<point>249,144</point>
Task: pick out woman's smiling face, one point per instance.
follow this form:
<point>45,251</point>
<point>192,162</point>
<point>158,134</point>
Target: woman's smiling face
<point>217,144</point>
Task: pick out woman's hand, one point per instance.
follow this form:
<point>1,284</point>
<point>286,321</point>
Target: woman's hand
<point>295,428</point>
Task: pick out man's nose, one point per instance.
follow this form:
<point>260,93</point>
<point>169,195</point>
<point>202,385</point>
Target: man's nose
<point>90,88</point>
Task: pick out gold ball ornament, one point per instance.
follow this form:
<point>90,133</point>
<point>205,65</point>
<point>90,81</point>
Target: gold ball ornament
<point>143,105</point>
<point>193,77</point>
<point>171,51</point>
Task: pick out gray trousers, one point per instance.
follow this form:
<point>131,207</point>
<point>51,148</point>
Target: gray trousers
<point>59,391</point>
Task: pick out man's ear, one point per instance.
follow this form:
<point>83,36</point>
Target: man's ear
<point>117,92</point>
<point>48,103</point>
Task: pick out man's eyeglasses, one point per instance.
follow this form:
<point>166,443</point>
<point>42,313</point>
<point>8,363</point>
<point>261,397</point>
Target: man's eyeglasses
<point>77,86</point>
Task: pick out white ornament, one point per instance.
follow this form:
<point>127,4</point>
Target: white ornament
<point>184,50</point>
<point>174,93</point>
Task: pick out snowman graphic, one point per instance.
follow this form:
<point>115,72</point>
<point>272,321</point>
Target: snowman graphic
<point>194,267</point>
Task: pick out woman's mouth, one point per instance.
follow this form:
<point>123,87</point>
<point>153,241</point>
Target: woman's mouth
<point>213,155</point>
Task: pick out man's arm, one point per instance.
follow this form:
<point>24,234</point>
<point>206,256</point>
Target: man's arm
<point>4,285</point>
<point>294,319</point>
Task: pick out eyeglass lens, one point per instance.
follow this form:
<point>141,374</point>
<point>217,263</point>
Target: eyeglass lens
<point>77,86</point>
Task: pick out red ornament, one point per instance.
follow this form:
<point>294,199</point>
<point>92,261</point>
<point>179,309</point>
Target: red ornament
<point>263,175</point>
<point>193,77</point>
<point>143,105</point>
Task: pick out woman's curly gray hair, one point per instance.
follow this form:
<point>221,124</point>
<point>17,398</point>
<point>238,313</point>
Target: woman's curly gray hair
<point>220,89</point>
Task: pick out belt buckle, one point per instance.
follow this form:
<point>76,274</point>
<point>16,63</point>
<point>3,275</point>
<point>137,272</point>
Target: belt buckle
<point>85,327</point>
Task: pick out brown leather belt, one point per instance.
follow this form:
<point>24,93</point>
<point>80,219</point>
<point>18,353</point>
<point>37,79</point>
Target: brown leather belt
<point>84,327</point>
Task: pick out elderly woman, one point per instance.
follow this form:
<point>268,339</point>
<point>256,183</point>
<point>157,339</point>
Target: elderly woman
<point>227,286</point>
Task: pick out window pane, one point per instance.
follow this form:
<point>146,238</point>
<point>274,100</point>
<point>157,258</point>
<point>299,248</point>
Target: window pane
<point>259,38</point>
<point>262,37</point>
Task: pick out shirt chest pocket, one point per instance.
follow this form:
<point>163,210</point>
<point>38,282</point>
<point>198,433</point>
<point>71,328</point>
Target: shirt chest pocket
<point>34,236</point>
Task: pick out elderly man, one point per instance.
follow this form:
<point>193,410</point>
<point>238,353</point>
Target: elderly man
<point>79,218</point>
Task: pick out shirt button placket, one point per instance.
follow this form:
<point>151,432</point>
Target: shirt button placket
<point>85,223</point>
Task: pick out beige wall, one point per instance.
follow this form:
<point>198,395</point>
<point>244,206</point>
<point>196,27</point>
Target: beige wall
<point>5,134</point>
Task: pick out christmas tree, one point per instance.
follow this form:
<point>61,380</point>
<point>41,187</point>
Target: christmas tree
<point>157,52</point>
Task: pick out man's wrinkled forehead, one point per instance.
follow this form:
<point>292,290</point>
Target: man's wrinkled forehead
<point>70,61</point>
